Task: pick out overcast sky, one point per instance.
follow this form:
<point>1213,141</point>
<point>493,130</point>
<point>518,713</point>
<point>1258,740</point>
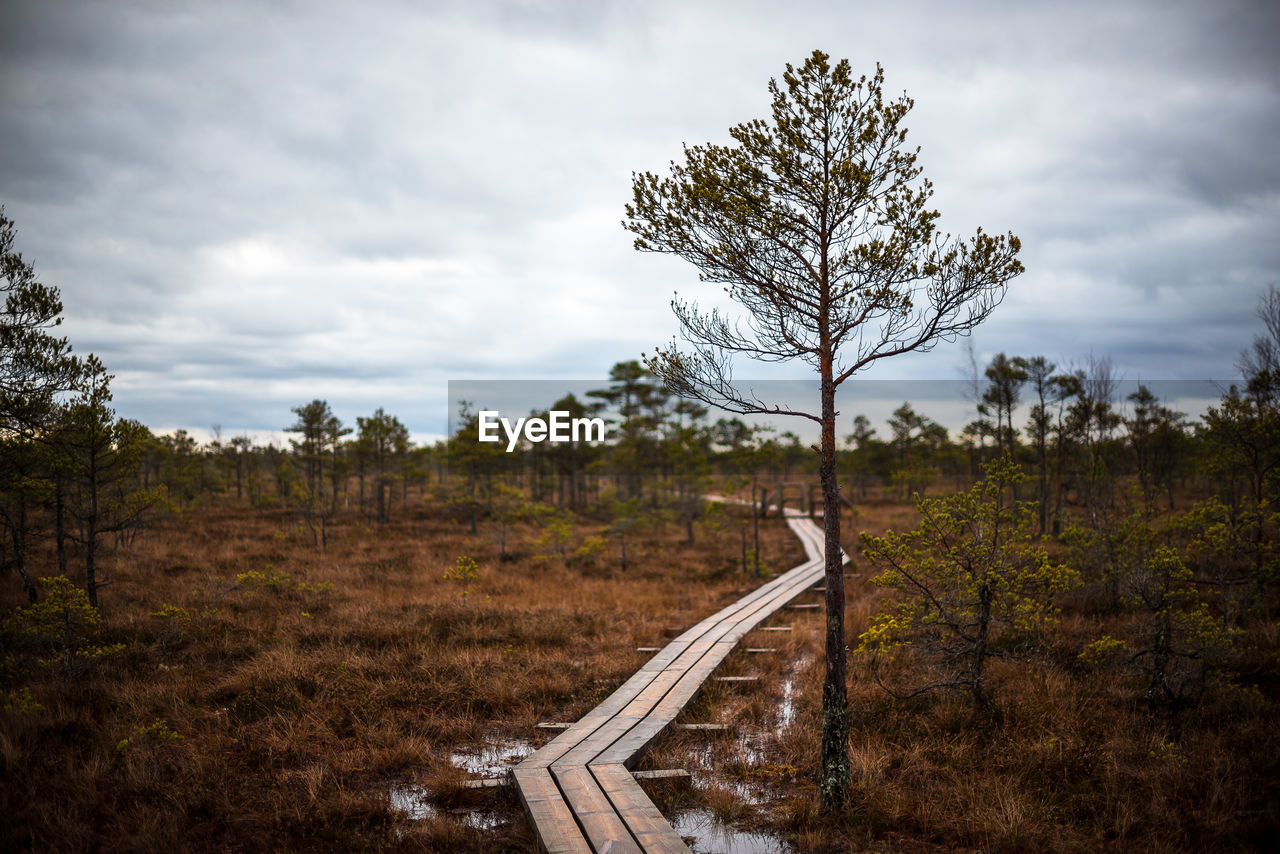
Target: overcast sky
<point>248,205</point>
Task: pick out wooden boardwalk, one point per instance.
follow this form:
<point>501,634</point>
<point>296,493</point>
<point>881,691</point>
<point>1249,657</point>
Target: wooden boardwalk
<point>578,791</point>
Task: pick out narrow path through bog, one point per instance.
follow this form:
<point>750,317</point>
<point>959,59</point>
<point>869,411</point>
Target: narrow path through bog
<point>578,791</point>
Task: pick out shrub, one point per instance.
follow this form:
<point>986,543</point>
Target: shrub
<point>60,633</point>
<point>971,583</point>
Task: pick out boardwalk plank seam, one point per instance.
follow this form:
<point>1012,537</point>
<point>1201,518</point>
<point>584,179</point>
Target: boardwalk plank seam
<point>576,789</point>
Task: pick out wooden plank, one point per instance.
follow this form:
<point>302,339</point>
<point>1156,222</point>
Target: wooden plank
<point>487,783</point>
<point>657,687</point>
<point>599,741</point>
<point>601,714</point>
<point>653,832</point>
<point>601,823</point>
<point>659,702</point>
<point>627,750</point>
<point>663,774</point>
<point>553,822</point>
<point>640,705</point>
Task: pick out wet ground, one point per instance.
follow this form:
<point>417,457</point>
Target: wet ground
<point>749,748</point>
<point>415,802</point>
<point>700,827</point>
<point>706,835</point>
<point>491,761</point>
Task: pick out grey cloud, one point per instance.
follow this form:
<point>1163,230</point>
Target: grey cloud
<point>443,183</point>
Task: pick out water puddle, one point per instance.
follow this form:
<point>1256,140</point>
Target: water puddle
<point>745,791</point>
<point>752,746</point>
<point>711,837</point>
<point>415,803</point>
<point>492,760</point>
<point>786,713</point>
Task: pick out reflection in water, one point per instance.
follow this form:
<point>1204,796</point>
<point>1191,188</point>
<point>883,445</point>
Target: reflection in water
<point>415,803</point>
<point>744,790</point>
<point>785,715</point>
<point>492,760</point>
<point>711,837</point>
<point>787,708</point>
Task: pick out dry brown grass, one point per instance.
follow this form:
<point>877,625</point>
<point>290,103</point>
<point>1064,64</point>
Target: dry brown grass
<point>300,709</point>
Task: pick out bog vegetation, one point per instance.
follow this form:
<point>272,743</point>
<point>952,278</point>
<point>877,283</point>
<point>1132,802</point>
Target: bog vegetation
<point>1066,615</point>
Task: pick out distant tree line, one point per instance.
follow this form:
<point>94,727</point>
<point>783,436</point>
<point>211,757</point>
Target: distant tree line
<point>75,479</point>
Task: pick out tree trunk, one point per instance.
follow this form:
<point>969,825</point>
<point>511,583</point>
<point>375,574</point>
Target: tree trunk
<point>1160,655</point>
<point>90,560</point>
<point>977,673</point>
<point>60,527</point>
<point>17,532</point>
<point>91,532</point>
<point>834,781</point>
<point>1044,486</point>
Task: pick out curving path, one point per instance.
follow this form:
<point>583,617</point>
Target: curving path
<point>577,790</point>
